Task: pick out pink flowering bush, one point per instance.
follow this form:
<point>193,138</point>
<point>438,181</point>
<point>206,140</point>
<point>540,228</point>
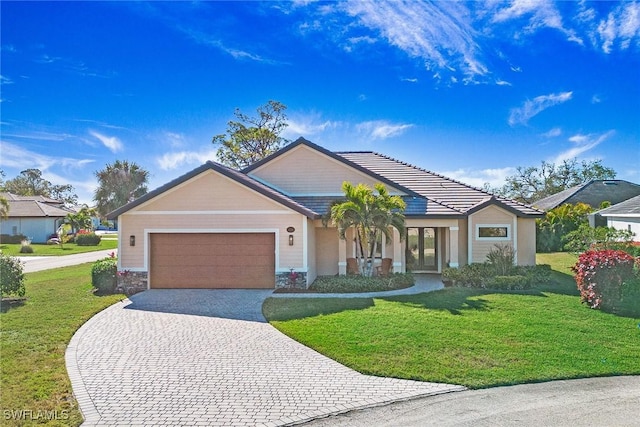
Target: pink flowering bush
<point>600,275</point>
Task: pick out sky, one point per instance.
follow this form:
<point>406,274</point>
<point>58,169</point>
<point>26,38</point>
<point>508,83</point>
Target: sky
<point>471,90</point>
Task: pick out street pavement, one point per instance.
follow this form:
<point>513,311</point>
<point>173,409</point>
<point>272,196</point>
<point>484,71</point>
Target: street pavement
<point>588,402</point>
<point>39,263</point>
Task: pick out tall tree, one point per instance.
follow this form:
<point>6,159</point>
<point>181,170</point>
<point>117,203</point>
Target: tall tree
<point>31,183</point>
<point>118,184</point>
<point>4,203</point>
<point>370,215</point>
<point>530,184</point>
<point>250,139</point>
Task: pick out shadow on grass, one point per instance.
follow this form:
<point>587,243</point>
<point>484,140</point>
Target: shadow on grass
<point>11,302</point>
<point>283,309</point>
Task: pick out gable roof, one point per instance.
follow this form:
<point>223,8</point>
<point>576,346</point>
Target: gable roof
<point>593,193</point>
<point>229,173</point>
<point>444,196</point>
<point>427,194</point>
<point>630,207</point>
<point>35,206</point>
<point>35,209</point>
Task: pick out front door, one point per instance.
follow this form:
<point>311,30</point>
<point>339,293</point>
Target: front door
<point>422,249</point>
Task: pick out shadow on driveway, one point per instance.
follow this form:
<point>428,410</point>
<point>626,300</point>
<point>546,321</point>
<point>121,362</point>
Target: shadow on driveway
<point>238,304</point>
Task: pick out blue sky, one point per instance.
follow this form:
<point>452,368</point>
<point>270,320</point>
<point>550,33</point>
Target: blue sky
<point>470,90</point>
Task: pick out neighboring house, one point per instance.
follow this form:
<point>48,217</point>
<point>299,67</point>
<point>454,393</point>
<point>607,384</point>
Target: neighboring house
<point>592,193</point>
<point>218,227</point>
<point>35,217</point>
<point>624,216</point>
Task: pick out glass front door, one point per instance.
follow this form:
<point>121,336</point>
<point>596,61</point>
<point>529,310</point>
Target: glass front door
<point>422,249</point>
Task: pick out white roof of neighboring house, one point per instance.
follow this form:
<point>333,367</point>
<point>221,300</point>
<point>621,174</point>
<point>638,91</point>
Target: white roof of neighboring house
<point>628,208</point>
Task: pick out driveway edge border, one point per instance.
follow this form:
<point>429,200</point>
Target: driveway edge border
<point>85,404</point>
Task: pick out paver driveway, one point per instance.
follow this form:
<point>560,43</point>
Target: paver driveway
<point>207,357</point>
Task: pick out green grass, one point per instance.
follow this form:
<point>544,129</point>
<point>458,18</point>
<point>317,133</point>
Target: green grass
<point>468,336</point>
<point>40,249</point>
<point>34,337</point>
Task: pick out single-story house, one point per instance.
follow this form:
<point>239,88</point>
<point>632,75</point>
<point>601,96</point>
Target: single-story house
<point>593,193</point>
<point>623,216</point>
<point>216,227</point>
<point>35,217</point>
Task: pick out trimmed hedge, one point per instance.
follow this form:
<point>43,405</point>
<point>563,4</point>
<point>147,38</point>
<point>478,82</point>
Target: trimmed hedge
<point>90,239</point>
<point>486,276</point>
<point>346,284</point>
<point>104,274</point>
<point>12,239</point>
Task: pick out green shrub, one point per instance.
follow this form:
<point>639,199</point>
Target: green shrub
<point>501,258</point>
<point>536,274</point>
<point>12,239</point>
<point>510,283</point>
<point>630,297</point>
<point>26,249</point>
<point>485,275</point>
<point>345,284</point>
<point>104,274</point>
<point>11,276</point>
<point>90,239</point>
<point>600,276</point>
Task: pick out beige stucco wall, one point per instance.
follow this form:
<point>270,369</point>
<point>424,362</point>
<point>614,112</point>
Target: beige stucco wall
<point>311,251</point>
<point>327,251</point>
<point>303,171</point>
<point>211,203</point>
<point>526,241</point>
<point>490,216</point>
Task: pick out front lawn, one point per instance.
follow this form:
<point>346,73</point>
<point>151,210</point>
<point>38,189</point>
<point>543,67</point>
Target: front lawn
<point>41,249</point>
<point>33,340</point>
<point>468,336</point>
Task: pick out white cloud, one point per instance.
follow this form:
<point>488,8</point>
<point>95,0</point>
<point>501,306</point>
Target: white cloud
<point>552,133</point>
<point>540,14</point>
<point>582,144</point>
<point>5,80</point>
<point>300,125</point>
<point>111,142</point>
<point>622,25</point>
<point>440,33</point>
<point>501,82</point>
<point>175,160</point>
<point>410,80</point>
<point>533,107</point>
<point>478,178</point>
<point>381,129</point>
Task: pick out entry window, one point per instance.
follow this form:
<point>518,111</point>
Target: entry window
<point>493,232</point>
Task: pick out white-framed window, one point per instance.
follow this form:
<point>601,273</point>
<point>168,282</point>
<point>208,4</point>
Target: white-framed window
<point>493,232</point>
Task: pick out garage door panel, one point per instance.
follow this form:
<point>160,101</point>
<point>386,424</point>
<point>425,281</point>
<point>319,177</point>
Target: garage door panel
<point>212,260</point>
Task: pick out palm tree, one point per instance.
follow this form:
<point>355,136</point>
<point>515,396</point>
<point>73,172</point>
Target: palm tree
<point>371,215</point>
<point>118,184</point>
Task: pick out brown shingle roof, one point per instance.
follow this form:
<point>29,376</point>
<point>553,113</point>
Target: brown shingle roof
<point>447,196</point>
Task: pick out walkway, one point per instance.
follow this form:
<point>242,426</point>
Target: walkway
<point>39,263</point>
<point>208,357</point>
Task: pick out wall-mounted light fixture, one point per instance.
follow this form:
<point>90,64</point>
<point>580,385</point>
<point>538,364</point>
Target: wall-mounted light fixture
<point>290,239</point>
<point>132,240</point>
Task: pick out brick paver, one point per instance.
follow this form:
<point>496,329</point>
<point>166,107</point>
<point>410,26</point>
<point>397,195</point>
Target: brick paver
<point>207,357</point>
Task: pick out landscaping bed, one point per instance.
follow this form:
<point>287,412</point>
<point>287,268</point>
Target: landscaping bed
<point>355,284</point>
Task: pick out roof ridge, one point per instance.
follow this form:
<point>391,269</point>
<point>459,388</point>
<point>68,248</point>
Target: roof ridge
<point>491,195</point>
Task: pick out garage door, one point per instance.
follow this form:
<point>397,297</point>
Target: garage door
<point>212,260</point>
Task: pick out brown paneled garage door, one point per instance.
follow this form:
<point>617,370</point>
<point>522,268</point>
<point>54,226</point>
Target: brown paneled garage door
<point>212,260</point>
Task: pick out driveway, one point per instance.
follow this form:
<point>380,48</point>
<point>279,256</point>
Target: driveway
<point>208,357</point>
